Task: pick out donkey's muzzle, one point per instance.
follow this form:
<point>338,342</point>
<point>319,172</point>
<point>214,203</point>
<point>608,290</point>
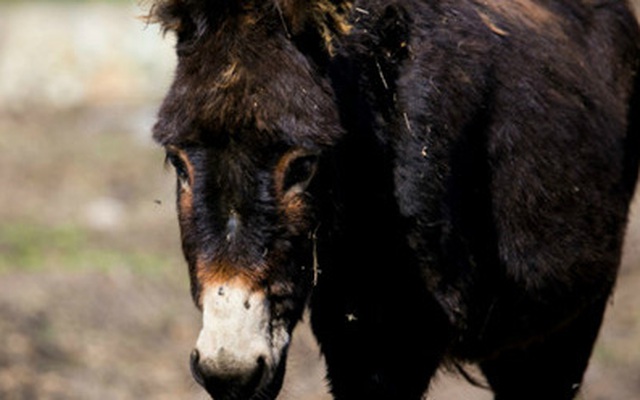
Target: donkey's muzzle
<point>227,379</point>
<point>240,349</point>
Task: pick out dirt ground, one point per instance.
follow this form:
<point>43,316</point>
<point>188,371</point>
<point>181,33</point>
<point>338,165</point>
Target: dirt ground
<point>94,299</point>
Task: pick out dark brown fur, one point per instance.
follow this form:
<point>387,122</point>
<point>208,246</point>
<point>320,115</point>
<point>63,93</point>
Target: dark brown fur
<point>453,175</point>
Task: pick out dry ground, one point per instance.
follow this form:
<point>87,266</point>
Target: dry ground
<point>94,300</point>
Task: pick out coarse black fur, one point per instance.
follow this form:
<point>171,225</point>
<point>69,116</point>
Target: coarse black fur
<point>474,162</point>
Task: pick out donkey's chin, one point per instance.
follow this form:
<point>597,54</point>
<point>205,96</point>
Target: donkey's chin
<point>241,351</point>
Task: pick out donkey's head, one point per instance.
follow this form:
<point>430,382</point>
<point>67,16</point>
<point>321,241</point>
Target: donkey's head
<point>245,124</point>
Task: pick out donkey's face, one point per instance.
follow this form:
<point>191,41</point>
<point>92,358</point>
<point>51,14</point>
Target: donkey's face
<point>245,124</point>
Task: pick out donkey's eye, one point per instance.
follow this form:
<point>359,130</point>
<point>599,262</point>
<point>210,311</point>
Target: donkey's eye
<point>299,172</point>
<point>180,167</point>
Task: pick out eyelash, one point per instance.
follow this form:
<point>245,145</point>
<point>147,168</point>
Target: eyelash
<point>181,169</point>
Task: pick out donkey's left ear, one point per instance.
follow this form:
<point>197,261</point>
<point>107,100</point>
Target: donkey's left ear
<point>188,19</point>
<point>170,14</point>
<point>328,18</point>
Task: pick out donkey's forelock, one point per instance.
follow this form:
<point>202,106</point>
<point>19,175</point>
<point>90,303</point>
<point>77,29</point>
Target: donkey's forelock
<point>254,80</point>
<point>330,18</point>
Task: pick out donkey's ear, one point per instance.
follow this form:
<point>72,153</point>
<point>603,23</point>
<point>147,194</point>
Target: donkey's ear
<point>329,18</point>
<point>170,14</point>
<point>186,18</point>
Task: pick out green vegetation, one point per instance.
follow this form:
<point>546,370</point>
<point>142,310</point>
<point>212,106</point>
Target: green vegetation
<point>36,248</point>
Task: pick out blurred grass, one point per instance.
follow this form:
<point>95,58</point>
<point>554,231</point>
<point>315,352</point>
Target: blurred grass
<point>85,189</point>
<point>31,247</point>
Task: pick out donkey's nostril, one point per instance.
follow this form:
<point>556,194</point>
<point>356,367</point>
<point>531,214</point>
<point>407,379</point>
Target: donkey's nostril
<point>195,356</point>
<point>195,367</point>
<point>258,372</point>
<point>261,364</point>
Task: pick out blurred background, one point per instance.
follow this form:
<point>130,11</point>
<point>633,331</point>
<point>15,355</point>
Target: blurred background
<point>94,298</point>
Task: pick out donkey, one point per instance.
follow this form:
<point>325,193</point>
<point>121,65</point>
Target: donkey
<point>439,181</point>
